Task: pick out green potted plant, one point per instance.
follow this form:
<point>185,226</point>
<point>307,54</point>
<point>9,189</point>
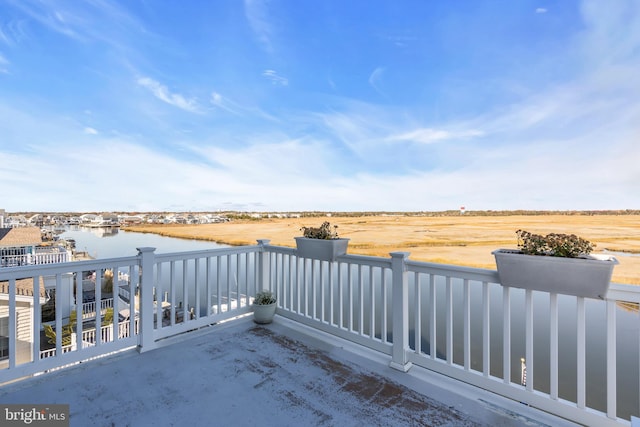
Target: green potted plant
<point>321,243</point>
<point>556,263</point>
<point>264,307</point>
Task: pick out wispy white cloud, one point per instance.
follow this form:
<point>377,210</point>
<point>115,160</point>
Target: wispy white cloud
<point>3,65</point>
<point>257,14</point>
<point>161,92</point>
<point>12,32</point>
<point>70,21</point>
<point>81,21</point>
<point>90,131</point>
<point>612,36</point>
<point>275,78</point>
<point>290,158</point>
<point>375,79</point>
<point>3,37</point>
<point>541,10</point>
<point>430,136</point>
<point>284,173</point>
<point>224,103</point>
<point>401,40</point>
<point>358,126</point>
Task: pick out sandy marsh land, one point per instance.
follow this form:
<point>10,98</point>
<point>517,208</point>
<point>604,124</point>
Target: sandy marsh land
<point>460,240</point>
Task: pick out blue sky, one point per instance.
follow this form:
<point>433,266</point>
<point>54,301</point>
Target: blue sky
<point>274,105</point>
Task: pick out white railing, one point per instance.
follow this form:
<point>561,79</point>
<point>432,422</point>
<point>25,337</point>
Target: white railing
<point>89,337</point>
<point>556,352</point>
<point>350,299</point>
<point>21,361</point>
<point>454,320</point>
<point>89,308</point>
<point>195,289</point>
<point>125,293</point>
<point>33,259</point>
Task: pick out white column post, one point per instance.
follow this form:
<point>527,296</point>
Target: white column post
<point>400,311</point>
<point>263,281</point>
<point>146,341</point>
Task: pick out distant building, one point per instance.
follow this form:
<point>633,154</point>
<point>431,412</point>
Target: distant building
<point>106,220</point>
<point>87,218</point>
<point>17,247</point>
<point>24,318</point>
<point>24,246</point>
<point>130,219</point>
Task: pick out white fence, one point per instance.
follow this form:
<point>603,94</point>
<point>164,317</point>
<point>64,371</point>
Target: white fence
<point>89,308</point>
<point>89,338</point>
<point>574,357</point>
<point>581,356</point>
<point>46,257</point>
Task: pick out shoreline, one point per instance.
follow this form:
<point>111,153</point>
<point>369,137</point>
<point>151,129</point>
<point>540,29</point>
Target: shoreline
<point>458,240</point>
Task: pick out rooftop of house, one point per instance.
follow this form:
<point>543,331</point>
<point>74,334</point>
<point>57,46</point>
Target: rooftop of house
<point>239,373</point>
<point>20,236</point>
<point>24,287</point>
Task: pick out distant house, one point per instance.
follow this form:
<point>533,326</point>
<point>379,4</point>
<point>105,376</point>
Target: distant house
<point>22,245</point>
<point>18,245</point>
<point>24,318</point>
<point>130,219</point>
<point>179,219</point>
<point>36,220</point>
<point>13,221</point>
<point>106,220</point>
<point>87,218</point>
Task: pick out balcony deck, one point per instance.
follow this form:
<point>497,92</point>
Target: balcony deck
<point>239,373</point>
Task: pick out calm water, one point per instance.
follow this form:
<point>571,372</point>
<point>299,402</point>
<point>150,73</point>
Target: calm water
<point>112,242</point>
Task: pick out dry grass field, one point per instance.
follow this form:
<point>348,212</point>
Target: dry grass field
<point>461,240</point>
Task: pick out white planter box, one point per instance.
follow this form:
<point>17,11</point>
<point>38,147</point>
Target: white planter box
<point>585,277</point>
<point>263,314</point>
<point>322,249</point>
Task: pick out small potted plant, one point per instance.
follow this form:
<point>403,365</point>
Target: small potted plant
<point>264,307</point>
<point>321,243</point>
<point>556,263</point>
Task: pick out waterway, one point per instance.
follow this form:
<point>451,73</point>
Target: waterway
<point>111,242</point>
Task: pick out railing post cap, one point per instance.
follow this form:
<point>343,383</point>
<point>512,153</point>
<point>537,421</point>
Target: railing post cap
<point>263,242</point>
<point>403,255</point>
<point>145,249</point>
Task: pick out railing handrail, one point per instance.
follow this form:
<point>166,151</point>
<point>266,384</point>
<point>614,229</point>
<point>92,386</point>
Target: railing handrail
<point>623,292</point>
<point>462,272</point>
<point>181,256</point>
<point>18,272</point>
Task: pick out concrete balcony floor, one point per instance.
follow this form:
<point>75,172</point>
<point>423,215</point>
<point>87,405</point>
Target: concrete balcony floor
<point>282,374</point>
